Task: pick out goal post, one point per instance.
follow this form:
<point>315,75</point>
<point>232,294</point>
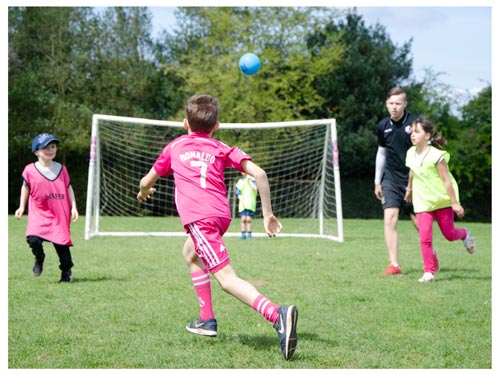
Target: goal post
<point>300,158</point>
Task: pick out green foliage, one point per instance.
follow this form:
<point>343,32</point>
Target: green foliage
<point>41,68</point>
<point>471,161</point>
<point>355,92</point>
<point>66,63</point>
<point>210,41</point>
<point>371,64</point>
<point>434,100</point>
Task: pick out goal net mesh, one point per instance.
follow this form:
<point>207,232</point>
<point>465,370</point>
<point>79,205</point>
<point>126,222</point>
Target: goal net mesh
<point>300,158</point>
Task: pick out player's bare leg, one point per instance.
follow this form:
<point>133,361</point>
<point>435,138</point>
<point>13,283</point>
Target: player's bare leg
<point>243,227</point>
<point>414,221</point>
<point>192,259</point>
<point>233,285</point>
<point>391,216</point>
<point>249,227</point>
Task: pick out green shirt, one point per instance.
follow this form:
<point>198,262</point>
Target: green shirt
<point>428,191</point>
<point>248,195</point>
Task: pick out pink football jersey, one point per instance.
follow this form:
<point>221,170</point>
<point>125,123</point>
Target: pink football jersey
<point>198,162</point>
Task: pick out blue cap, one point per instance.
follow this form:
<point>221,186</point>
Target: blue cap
<point>42,140</point>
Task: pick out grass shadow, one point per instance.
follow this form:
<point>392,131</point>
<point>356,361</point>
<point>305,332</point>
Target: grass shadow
<point>97,279</point>
<point>264,343</point>
<point>260,342</point>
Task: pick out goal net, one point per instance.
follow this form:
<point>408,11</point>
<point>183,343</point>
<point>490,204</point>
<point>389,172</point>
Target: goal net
<point>300,158</point>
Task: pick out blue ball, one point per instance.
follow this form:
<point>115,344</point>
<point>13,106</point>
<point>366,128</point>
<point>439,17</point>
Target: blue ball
<point>249,64</point>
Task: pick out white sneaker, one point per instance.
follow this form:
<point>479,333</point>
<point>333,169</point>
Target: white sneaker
<point>469,243</point>
<point>426,278</point>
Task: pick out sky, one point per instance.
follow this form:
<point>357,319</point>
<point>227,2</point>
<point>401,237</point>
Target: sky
<point>454,42</point>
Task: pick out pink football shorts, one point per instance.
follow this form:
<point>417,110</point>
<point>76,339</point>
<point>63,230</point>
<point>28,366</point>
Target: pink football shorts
<point>207,237</point>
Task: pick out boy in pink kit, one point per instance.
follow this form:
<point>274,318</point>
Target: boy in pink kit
<point>52,205</point>
<point>197,162</point>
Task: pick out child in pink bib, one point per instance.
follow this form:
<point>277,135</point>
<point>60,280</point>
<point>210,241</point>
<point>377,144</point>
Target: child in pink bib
<point>52,205</point>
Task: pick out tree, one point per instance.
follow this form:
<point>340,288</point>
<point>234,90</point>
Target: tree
<point>206,48</point>
<point>45,80</point>
<point>44,70</point>
<point>355,92</point>
<point>471,161</point>
<point>66,64</point>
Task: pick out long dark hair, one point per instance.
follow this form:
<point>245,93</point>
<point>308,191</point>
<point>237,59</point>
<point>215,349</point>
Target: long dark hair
<point>436,140</point>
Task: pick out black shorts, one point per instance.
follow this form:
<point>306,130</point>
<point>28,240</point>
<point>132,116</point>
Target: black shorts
<point>393,195</point>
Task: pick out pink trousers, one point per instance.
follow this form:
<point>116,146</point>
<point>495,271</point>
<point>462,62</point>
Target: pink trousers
<point>445,218</point>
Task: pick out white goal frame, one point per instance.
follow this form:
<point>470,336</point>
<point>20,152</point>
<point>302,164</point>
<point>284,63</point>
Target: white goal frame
<point>93,188</point>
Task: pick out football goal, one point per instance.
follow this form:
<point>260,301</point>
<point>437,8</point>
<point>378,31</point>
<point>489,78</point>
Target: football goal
<point>300,158</point>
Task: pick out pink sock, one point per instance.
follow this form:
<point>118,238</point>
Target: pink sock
<point>266,308</point>
<point>201,282</point>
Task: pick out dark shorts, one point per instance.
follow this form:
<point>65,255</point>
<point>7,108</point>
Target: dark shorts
<point>393,195</point>
<point>247,213</point>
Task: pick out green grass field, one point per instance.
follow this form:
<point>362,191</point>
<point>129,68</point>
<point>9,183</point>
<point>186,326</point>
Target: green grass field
<point>132,297</point>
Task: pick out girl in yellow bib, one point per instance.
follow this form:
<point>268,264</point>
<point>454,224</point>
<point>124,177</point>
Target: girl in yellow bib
<point>434,193</point>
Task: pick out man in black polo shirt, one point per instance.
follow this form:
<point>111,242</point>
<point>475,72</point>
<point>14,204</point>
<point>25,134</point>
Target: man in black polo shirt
<point>391,173</point>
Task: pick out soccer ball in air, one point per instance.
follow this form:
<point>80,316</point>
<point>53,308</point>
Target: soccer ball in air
<point>249,64</point>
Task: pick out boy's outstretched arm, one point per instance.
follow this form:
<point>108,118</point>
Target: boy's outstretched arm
<point>146,188</point>
<point>25,191</point>
<point>271,223</point>
<point>74,210</point>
